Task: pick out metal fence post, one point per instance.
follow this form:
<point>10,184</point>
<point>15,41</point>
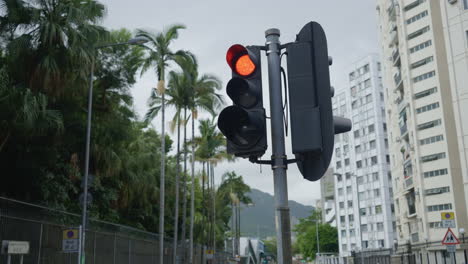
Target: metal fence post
<point>115,247</point>
<point>94,250</point>
<point>129,251</point>
<point>40,245</point>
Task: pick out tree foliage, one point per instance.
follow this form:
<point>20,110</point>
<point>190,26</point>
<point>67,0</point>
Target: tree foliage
<point>307,236</point>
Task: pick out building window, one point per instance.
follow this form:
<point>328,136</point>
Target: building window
<point>380,227</point>
<point>435,173</point>
<point>340,191</point>
<point>374,160</point>
<point>362,211</point>
<point>348,189</point>
<point>356,134</point>
<point>342,220</point>
<point>366,68</point>
<point>425,93</point>
<point>351,218</point>
<point>338,164</point>
<point>430,124</point>
<point>350,204</point>
<point>364,228</point>
<point>428,107</point>
<point>345,148</point>
<point>422,62</point>
<point>372,144</point>
<point>431,140</point>
<point>438,190</point>
<point>352,233</point>
<point>376,193</point>
<point>378,209</point>
<point>339,178</point>
<point>375,176</point>
<point>338,152</point>
<point>433,157</point>
<point>421,46</point>
<point>367,83</point>
<point>368,98</point>
<point>343,233</point>
<point>346,162</point>
<point>439,207</point>
<point>344,247</point>
<point>371,128</point>
<point>435,225</point>
<point>413,5</point>
<point>424,76</point>
<point>359,164</point>
<point>365,244</point>
<point>357,149</point>
<point>361,196</point>
<point>360,180</point>
<point>351,76</point>
<point>465,4</point>
<point>418,32</point>
<point>417,17</point>
<point>348,175</point>
<point>341,205</point>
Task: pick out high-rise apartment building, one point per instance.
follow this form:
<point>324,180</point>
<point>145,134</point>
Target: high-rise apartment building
<point>327,201</point>
<point>364,203</point>
<point>424,58</point>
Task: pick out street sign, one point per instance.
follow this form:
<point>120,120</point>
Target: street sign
<point>209,253</point>
<point>451,248</point>
<point>448,219</point>
<point>450,238</point>
<point>70,241</point>
<point>15,247</point>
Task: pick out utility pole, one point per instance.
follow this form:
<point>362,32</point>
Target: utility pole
<point>279,160</point>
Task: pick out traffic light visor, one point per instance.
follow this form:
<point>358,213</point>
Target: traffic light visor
<point>240,61</point>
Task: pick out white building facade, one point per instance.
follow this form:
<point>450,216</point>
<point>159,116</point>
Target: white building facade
<point>424,58</point>
<point>363,193</point>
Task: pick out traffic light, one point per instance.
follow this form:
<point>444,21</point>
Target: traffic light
<point>313,126</point>
<point>244,123</point>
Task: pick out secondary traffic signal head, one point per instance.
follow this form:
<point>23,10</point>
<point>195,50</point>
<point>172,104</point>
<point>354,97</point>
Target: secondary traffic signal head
<point>313,126</point>
<point>244,123</point>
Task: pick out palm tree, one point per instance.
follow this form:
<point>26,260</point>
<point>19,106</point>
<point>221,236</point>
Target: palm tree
<point>159,55</point>
<point>50,42</point>
<point>211,150</point>
<point>203,97</point>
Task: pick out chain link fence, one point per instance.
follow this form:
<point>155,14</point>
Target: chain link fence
<point>106,243</point>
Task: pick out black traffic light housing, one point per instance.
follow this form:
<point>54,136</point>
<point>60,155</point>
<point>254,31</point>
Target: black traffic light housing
<point>313,126</point>
<point>244,123</point>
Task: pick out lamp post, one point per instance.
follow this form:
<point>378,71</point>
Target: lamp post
<point>133,41</point>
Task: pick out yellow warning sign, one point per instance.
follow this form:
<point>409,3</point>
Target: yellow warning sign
<point>447,215</point>
<point>70,234</point>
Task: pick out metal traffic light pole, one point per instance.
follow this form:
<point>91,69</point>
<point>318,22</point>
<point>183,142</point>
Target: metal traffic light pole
<point>279,161</point>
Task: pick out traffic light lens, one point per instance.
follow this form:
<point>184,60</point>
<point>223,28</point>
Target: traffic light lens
<point>239,127</point>
<point>241,93</point>
<point>245,66</point>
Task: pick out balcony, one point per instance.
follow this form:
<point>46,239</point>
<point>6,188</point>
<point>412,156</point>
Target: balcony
<point>391,10</point>
<point>403,129</point>
<point>398,81</point>
<point>408,182</point>
<point>396,57</point>
<point>393,38</point>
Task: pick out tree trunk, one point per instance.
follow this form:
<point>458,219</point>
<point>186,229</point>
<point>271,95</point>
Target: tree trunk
<point>192,193</point>
<point>177,175</point>
<point>214,207</point>
<point>184,187</point>
<point>161,180</point>
<point>203,207</point>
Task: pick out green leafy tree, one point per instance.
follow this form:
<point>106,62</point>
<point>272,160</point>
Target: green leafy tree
<point>307,236</point>
<point>159,56</point>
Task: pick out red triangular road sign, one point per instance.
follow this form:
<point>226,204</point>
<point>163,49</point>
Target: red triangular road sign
<point>450,238</point>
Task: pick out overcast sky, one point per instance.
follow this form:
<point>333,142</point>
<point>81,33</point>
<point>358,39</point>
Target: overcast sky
<point>214,25</point>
